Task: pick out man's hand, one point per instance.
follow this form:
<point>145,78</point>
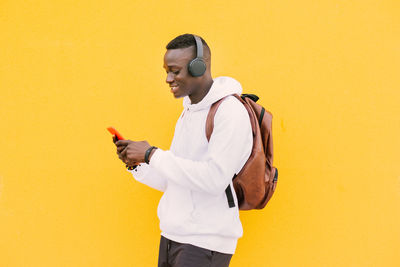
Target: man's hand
<point>130,152</point>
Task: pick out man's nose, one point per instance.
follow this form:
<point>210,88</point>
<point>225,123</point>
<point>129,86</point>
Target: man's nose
<point>170,78</point>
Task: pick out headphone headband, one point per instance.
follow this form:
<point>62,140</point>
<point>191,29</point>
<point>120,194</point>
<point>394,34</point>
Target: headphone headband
<point>199,46</point>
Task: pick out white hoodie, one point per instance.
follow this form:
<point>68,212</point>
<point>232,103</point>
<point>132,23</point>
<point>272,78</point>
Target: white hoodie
<point>194,173</point>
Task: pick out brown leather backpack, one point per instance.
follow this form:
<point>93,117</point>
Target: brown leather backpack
<point>256,181</point>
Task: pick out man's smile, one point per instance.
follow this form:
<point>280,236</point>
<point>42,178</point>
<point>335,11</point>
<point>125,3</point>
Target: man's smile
<point>174,88</point>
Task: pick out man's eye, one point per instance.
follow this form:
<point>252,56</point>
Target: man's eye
<point>174,72</point>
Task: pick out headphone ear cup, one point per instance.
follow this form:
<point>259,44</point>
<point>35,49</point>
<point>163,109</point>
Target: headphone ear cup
<point>197,67</point>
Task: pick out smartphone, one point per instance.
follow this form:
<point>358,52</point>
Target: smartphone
<point>115,133</point>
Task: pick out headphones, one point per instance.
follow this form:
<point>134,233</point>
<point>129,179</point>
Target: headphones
<point>197,66</point>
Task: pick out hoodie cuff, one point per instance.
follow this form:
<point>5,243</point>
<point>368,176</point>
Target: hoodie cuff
<point>156,157</point>
<point>140,171</point>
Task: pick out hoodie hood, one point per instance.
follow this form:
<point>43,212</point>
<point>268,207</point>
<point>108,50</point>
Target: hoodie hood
<point>221,87</point>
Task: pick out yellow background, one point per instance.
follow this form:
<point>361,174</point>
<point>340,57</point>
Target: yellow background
<point>329,71</point>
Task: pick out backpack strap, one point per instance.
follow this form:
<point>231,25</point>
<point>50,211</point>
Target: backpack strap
<point>210,118</point>
<point>209,130</point>
<point>229,196</point>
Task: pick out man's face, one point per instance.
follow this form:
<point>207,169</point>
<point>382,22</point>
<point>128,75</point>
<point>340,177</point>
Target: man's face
<point>179,79</point>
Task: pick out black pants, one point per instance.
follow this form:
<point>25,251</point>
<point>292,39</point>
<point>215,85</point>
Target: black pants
<point>174,254</point>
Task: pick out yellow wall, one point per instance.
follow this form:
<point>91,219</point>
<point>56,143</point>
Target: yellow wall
<point>328,70</point>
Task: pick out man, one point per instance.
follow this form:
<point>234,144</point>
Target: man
<point>198,226</point>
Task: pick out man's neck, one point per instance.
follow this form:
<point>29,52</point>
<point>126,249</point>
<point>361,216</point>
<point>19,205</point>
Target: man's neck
<point>201,92</point>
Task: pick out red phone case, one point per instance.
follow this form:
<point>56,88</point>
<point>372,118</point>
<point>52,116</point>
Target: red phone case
<point>115,132</point>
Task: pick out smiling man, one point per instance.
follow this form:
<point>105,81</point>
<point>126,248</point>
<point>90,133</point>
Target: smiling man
<point>198,226</point>
<point>180,80</point>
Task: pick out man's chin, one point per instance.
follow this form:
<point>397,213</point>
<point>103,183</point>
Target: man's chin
<point>177,95</point>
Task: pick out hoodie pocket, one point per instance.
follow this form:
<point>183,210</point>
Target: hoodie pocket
<point>175,206</point>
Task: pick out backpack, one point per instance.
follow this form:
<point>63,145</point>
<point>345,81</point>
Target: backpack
<point>256,181</point>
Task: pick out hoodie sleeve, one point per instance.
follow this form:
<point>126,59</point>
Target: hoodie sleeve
<point>228,149</point>
<point>149,176</point>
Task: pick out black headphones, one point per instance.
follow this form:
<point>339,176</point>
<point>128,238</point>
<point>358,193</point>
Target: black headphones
<point>197,66</point>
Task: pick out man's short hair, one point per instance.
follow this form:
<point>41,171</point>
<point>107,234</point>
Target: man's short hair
<point>185,40</point>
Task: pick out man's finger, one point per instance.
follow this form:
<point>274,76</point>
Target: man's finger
<point>122,157</point>
<point>122,142</point>
<point>120,148</point>
<point>123,152</point>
